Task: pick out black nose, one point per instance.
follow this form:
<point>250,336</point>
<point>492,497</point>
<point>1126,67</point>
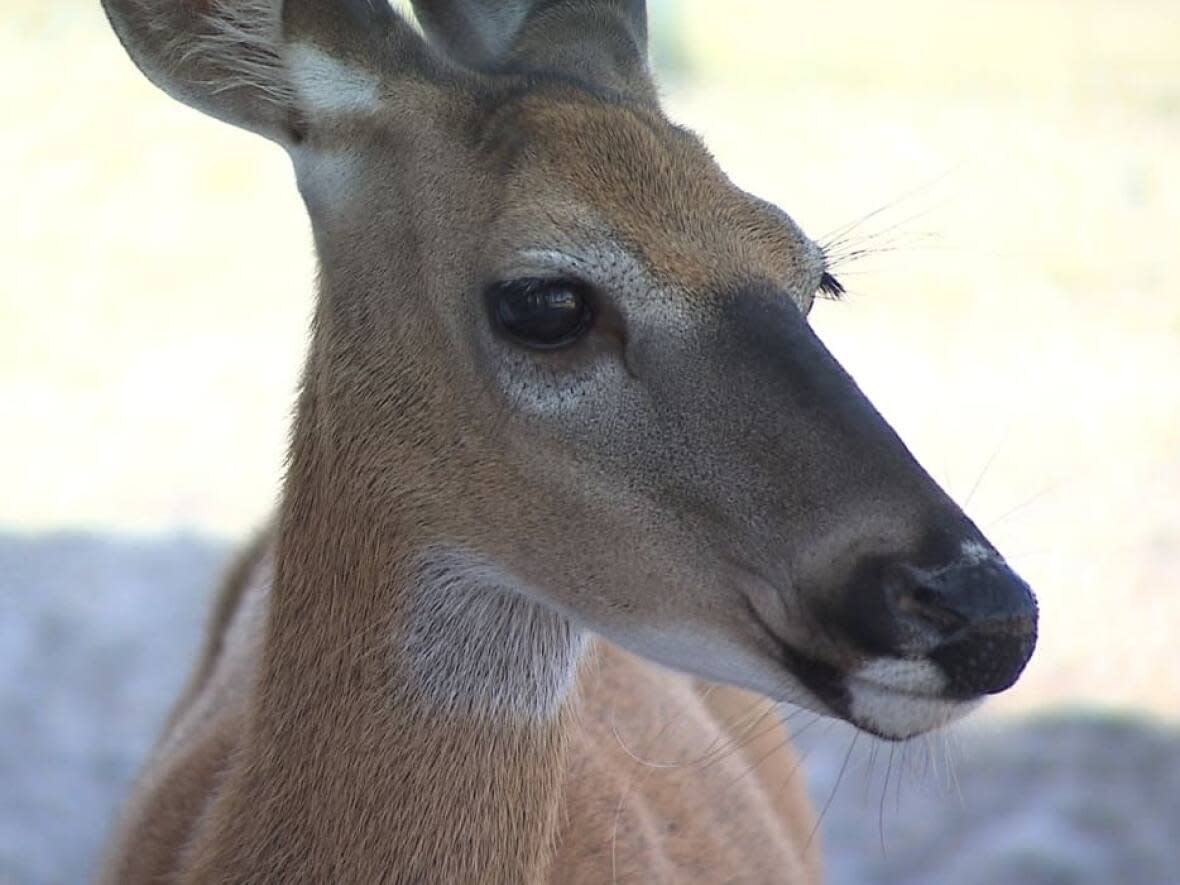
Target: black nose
<point>974,618</point>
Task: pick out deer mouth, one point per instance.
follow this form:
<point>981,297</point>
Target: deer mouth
<point>894,713</point>
<point>892,698</point>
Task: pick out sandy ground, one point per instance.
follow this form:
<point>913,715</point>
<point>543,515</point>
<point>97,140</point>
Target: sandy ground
<point>1018,321</point>
<point>98,634</point>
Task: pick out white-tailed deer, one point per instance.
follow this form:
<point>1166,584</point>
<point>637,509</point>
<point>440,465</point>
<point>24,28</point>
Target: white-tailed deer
<point>561,400</point>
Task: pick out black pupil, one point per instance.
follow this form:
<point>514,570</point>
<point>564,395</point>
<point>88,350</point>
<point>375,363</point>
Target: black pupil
<point>542,313</point>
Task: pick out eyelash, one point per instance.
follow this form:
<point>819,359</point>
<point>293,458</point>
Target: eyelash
<point>830,287</point>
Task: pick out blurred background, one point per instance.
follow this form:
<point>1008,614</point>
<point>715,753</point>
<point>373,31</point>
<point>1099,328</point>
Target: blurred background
<point>1003,177</point>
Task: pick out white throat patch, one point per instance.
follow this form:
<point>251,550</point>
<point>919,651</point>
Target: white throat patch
<point>475,642</point>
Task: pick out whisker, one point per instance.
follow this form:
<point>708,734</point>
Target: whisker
<point>871,765</point>
<point>668,721</point>
<point>905,748</point>
<point>735,744</point>
<point>987,466</point>
<point>756,764</point>
<point>841,252</point>
<point>835,787</point>
<point>910,219</point>
<point>792,737</point>
<point>896,201</point>
<point>884,793</point>
<point>614,838</point>
<point>634,757</point>
<point>633,780</point>
<point>952,768</point>
<point>787,739</point>
<point>890,237</point>
<point>855,256</point>
<point>1052,487</point>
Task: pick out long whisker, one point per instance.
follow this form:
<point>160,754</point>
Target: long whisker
<point>987,466</point>
<point>842,252</point>
<point>882,239</point>
<point>1052,487</point>
<point>871,766</point>
<point>884,793</point>
<point>741,745</point>
<point>634,780</point>
<point>614,837</point>
<point>668,722</point>
<point>722,748</point>
<point>896,201</point>
<point>952,768</point>
<point>905,749</point>
<point>804,754</point>
<point>837,251</point>
<point>835,787</point>
<point>776,748</point>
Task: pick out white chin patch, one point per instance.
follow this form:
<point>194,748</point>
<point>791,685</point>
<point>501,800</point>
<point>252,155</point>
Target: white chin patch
<point>900,698</point>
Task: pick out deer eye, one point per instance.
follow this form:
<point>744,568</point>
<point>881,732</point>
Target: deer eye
<point>541,313</point>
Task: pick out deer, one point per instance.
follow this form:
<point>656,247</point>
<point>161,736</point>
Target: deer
<point>572,483</point>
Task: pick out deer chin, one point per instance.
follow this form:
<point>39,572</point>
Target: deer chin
<point>896,698</point>
<point>890,698</point>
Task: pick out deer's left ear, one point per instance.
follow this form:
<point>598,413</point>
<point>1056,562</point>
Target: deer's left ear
<point>602,43</point>
<point>271,66</point>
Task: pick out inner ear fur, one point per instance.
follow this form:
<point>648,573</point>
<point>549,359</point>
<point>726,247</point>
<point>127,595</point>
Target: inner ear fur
<point>233,59</point>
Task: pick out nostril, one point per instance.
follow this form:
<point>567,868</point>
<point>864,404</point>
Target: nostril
<point>963,609</point>
<point>980,621</point>
<point>924,610</point>
<point>926,603</point>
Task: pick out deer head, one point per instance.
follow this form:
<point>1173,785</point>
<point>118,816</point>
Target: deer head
<point>556,344</point>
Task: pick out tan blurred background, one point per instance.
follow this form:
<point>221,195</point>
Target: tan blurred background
<point>1019,322</point>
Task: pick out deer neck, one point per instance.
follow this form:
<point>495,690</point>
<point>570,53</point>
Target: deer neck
<point>419,696</point>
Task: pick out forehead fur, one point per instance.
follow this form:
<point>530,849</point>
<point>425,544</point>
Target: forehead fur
<point>657,187</point>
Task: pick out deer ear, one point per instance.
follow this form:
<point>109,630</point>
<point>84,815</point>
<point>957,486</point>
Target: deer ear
<point>271,66</point>
<point>603,43</point>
